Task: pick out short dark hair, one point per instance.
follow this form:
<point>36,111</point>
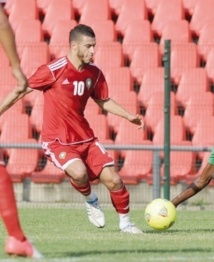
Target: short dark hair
<point>80,30</point>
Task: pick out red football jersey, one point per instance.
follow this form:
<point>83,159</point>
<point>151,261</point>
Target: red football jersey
<point>66,91</point>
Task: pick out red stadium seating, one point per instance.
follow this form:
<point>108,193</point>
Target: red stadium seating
<point>183,56</point>
<point>152,82</point>
<point>166,12</point>
<point>28,31</point>
<point>95,10</point>
<point>105,31</point>
<point>205,42</point>
<point>209,67</point>
<point>36,117</point>
<point>50,174</point>
<point>155,109</point>
<point>43,5</point>
<point>23,10</point>
<point>152,6</point>
<point>116,6</point>
<point>109,55</point>
<point>177,31</point>
<point>130,10</point>
<point>6,77</point>
<point>60,36</point>
<point>58,10</point>
<point>200,105</point>
<point>22,162</point>
<point>202,13</point>
<point>33,56</point>
<point>137,165</point>
<point>145,57</point>
<point>137,33</point>
<point>189,6</point>
<point>78,5</point>
<point>192,80</point>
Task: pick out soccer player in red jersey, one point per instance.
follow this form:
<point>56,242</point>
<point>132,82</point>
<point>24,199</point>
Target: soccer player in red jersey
<point>67,139</point>
<point>17,243</point>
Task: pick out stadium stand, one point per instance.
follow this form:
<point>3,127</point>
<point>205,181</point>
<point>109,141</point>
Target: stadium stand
<point>36,116</point>
<point>58,10</point>
<point>166,12</point>
<point>183,57</point>
<point>193,80</point>
<point>43,5</point>
<point>22,162</point>
<point>136,34</point>
<point>115,6</point>
<point>152,6</point>
<point>130,10</point>
<point>199,18</point>
<point>209,67</point>
<point>95,10</point>
<point>189,6</point>
<point>145,57</point>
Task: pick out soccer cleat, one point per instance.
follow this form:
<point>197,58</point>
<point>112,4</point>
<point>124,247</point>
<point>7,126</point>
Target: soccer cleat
<point>131,229</point>
<point>95,213</point>
<point>19,248</point>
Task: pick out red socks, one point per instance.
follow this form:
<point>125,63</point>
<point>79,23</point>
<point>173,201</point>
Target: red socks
<point>120,200</point>
<point>83,189</point>
<point>8,208</point>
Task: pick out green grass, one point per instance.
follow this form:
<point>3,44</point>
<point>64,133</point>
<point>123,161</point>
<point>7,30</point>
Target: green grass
<point>66,235</point>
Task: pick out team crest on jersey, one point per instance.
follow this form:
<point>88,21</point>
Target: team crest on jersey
<point>88,82</point>
<point>62,155</point>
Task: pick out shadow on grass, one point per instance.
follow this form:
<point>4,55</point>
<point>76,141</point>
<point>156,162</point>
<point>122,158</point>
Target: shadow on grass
<point>192,231</point>
<point>136,251</point>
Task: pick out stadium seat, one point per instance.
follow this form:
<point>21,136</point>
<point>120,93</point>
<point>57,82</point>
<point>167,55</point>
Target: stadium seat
<point>200,105</point>
<point>145,57</point>
<point>202,13</point>
<point>95,10</point>
<point>192,80</point>
<point>177,131</point>
<point>209,67</point>
<point>78,5</point>
<point>43,5</point>
<point>152,82</point>
<point>182,163</point>
<point>36,117</point>
<point>152,6</point>
<point>130,10</point>
<point>128,100</point>
<point>23,10</point>
<point>22,162</point>
<point>58,10</point>
<point>60,36</point>
<point>6,77</point>
<point>33,56</point>
<point>205,41</point>
<point>105,31</point>
<point>109,55</point>
<point>116,6</point>
<point>203,135</point>
<point>155,109</point>
<point>183,56</point>
<point>137,33</point>
<point>189,6</point>
<point>99,125</point>
<point>50,174</point>
<point>28,31</point>
<point>137,164</point>
<point>177,31</point>
<point>166,12</point>
<point>120,76</point>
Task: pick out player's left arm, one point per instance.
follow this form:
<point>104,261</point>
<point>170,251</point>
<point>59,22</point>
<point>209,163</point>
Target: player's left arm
<point>113,107</point>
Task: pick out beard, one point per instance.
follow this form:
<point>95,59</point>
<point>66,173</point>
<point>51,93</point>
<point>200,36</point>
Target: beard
<point>82,58</point>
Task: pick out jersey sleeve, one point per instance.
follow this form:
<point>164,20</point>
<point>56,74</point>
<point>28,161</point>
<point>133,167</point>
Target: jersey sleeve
<point>42,78</point>
<point>100,90</point>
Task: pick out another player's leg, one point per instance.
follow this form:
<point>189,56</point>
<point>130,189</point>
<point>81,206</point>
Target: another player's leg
<point>120,199</point>
<point>16,243</point>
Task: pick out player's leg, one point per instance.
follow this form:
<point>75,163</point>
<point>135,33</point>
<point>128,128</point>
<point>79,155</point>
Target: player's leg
<point>69,159</point>
<point>16,243</point>
<point>100,164</point>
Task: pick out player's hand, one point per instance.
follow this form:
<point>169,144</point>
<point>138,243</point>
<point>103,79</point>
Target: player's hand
<point>137,120</point>
<point>21,79</point>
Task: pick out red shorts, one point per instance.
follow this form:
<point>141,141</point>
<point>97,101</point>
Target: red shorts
<point>92,153</point>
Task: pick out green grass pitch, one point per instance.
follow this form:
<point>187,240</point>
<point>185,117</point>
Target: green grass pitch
<point>65,234</point>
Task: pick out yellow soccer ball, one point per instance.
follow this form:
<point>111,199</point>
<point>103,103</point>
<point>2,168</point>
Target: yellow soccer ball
<point>160,214</point>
